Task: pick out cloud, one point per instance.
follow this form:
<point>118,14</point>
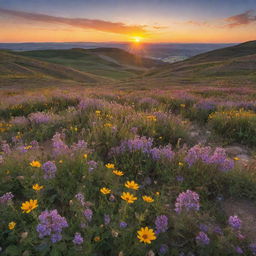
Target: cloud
<point>100,25</point>
<point>197,23</point>
<point>245,18</point>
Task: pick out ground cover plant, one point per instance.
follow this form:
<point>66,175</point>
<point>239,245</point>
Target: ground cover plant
<point>120,172</point>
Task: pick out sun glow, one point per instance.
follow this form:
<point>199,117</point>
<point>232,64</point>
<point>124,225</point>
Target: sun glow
<point>137,39</point>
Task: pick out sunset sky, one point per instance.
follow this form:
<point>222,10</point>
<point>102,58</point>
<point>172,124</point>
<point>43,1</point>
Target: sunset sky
<point>184,21</point>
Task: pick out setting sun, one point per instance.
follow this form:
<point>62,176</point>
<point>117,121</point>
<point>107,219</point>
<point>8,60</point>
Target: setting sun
<point>137,39</point>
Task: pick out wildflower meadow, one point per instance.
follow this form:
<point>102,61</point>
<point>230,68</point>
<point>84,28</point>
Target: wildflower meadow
<point>126,173</point>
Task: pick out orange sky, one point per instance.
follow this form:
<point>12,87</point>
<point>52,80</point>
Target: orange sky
<point>16,26</point>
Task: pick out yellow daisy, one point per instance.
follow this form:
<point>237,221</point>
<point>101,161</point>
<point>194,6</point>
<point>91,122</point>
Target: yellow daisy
<point>36,187</point>
<point>29,206</point>
<point>118,173</point>
<point>105,191</point>
<point>35,164</point>
<point>11,225</point>
<point>110,166</point>
<point>132,185</point>
<point>146,235</point>
<point>128,197</point>
<point>148,199</point>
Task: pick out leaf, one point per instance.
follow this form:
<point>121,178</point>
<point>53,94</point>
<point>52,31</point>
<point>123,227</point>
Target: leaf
<point>12,250</point>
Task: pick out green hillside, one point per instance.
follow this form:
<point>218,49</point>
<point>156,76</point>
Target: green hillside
<point>107,62</point>
<point>235,65</point>
<point>16,69</point>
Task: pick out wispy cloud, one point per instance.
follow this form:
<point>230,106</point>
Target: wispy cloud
<point>100,25</point>
<point>245,18</point>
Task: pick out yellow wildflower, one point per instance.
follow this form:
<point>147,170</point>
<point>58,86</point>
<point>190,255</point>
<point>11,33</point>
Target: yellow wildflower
<point>180,164</point>
<point>105,191</point>
<point>148,199</point>
<point>108,125</point>
<point>85,156</point>
<point>97,112</point>
<point>35,164</point>
<point>29,206</point>
<point>132,185</point>
<point>110,166</point>
<point>11,225</point>
<point>182,105</point>
<point>36,187</point>
<point>236,158</point>
<point>128,197</point>
<point>118,173</point>
<point>146,235</point>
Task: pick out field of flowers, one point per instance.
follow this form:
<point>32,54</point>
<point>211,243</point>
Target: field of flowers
<point>107,172</point>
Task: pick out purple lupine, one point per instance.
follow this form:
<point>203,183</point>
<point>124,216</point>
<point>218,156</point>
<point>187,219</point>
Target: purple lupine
<point>106,219</point>
<point>202,238</point>
<point>78,239</point>
<point>188,201</point>
<point>19,121</point>
<point>180,178</point>
<point>205,155</point>
<point>122,224</point>
<point>163,249</point>
<point>92,165</point>
<point>218,230</point>
<point>88,213</point>
<point>80,145</point>
<point>90,104</point>
<point>203,227</point>
<point>51,224</point>
<point>141,144</point>
<point>80,198</point>
<point>234,222</point>
<point>162,153</point>
<point>49,169</point>
<point>134,130</point>
<point>6,198</point>
<point>239,250</point>
<point>206,105</point>
<point>6,148</point>
<point>40,117</point>
<point>161,224</point>
<point>59,146</point>
<point>197,153</point>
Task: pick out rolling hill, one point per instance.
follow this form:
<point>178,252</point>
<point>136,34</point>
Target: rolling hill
<point>17,69</point>
<point>111,63</point>
<point>235,64</point>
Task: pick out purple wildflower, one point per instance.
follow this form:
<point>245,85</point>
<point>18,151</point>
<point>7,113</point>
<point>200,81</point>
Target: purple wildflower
<point>163,249</point>
<point>6,198</point>
<point>239,250</point>
<point>218,230</point>
<point>88,214</point>
<point>49,170</point>
<point>162,153</point>
<point>203,227</point>
<point>19,121</point>
<point>6,148</point>
<point>80,145</point>
<point>92,165</point>
<point>90,104</point>
<point>188,201</point>
<point>78,239</point>
<point>202,238</point>
<point>40,118</point>
<point>234,222</point>
<point>106,219</point>
<point>180,178</point>
<point>51,224</point>
<point>122,224</point>
<point>161,223</point>
<point>80,198</point>
<point>59,146</point>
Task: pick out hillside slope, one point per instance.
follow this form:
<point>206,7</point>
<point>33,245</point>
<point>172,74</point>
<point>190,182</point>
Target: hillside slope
<point>235,64</point>
<point>20,69</point>
<point>107,62</point>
